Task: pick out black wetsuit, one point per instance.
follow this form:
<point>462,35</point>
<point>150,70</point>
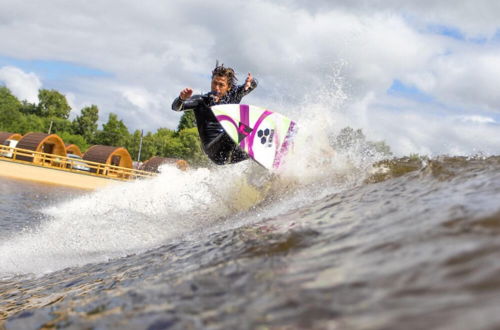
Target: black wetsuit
<point>216,143</point>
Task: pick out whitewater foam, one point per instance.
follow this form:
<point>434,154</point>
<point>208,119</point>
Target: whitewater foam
<point>122,219</point>
<point>133,217</point>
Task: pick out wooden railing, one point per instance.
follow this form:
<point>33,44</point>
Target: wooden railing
<point>63,163</point>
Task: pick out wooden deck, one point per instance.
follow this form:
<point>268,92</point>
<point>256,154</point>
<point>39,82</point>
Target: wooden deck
<point>53,176</point>
<point>58,170</point>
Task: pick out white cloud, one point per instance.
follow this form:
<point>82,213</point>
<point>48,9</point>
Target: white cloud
<point>140,98</point>
<point>463,79</point>
<point>473,18</point>
<point>477,119</point>
<point>411,127</point>
<point>23,85</point>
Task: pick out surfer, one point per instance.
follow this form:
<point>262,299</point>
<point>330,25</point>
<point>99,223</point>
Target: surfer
<point>215,142</point>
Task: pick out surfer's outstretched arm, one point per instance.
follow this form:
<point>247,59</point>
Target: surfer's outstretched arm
<point>242,90</point>
<point>187,104</point>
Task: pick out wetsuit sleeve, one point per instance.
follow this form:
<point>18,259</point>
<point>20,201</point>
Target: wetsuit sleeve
<point>189,104</point>
<point>177,104</point>
<point>253,85</point>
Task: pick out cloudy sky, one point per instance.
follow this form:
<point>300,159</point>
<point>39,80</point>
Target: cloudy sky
<point>423,76</point>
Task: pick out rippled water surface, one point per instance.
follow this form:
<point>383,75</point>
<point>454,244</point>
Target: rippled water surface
<point>405,244</point>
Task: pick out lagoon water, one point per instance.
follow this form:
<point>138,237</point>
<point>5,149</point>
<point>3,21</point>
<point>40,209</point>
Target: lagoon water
<point>411,243</point>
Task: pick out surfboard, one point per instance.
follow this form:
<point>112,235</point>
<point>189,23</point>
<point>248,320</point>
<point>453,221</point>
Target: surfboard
<point>266,136</point>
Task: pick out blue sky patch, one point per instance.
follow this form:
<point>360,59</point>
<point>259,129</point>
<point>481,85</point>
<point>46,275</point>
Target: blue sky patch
<point>496,37</point>
<point>456,33</point>
<point>446,31</point>
<point>53,70</point>
<point>399,89</point>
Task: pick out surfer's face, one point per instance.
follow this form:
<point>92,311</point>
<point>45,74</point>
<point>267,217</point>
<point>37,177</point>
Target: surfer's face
<point>220,85</point>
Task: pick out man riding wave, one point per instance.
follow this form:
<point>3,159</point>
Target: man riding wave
<point>216,143</point>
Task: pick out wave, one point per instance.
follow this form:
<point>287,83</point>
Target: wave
<point>440,168</point>
<point>130,218</point>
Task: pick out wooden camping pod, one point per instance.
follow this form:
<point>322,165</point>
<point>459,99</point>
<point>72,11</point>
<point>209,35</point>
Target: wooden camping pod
<point>9,136</point>
<point>109,155</point>
<point>152,164</point>
<point>73,149</point>
<point>41,142</point>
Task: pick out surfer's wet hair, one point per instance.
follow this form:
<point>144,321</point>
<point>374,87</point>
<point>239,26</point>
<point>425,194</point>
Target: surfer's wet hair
<point>222,71</point>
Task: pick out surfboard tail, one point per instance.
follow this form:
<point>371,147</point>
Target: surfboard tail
<point>285,146</point>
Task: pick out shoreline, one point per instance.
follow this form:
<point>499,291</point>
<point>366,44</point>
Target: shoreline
<point>56,176</point>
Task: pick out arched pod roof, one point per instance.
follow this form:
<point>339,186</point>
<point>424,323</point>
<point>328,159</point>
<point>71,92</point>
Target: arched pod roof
<point>73,149</point>
<point>9,136</point>
<point>109,155</point>
<point>41,142</point>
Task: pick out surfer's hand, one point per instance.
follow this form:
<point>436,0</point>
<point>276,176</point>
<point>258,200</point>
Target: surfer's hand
<point>186,93</point>
<point>248,81</point>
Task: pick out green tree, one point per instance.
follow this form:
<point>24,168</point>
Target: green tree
<point>191,143</point>
<point>86,124</point>
<point>114,132</point>
<point>381,147</point>
<point>74,139</point>
<point>57,125</point>
<point>167,143</point>
<point>172,147</point>
<point>53,104</point>
<point>132,145</point>
<point>348,138</point>
<point>149,146</point>
<point>10,106</point>
<point>187,120</point>
<point>30,123</point>
<point>29,108</point>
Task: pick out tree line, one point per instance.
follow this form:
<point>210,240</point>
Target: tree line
<point>52,113</point>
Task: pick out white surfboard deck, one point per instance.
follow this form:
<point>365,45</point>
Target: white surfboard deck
<point>266,136</point>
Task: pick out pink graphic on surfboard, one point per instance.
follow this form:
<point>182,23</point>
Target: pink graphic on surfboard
<point>266,136</point>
